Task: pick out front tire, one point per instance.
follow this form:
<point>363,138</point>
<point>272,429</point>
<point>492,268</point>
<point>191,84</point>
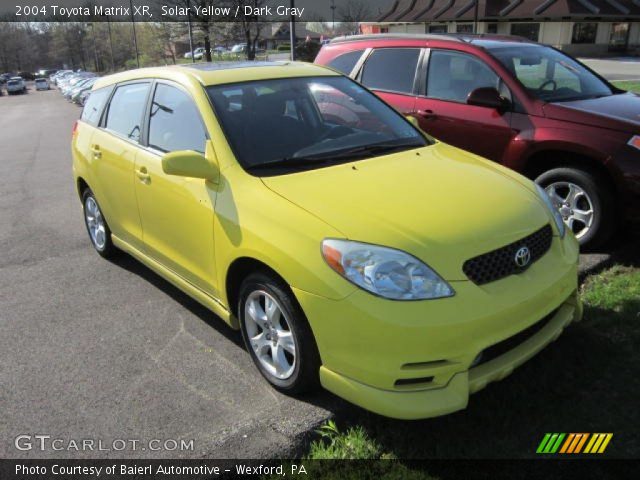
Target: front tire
<point>585,202</point>
<point>277,335</point>
<point>97,227</point>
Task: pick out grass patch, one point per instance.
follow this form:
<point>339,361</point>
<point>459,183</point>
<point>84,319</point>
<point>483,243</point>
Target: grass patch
<point>586,381</point>
<point>627,85</point>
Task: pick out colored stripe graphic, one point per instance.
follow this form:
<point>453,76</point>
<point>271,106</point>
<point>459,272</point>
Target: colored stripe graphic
<point>573,443</point>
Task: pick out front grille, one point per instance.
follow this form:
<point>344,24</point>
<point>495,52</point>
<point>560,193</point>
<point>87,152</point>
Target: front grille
<point>498,349</point>
<point>500,263</point>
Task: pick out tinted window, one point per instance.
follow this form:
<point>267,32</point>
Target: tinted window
<point>530,31</point>
<point>344,63</point>
<point>391,69</point>
<point>94,105</point>
<point>175,122</point>
<point>453,76</point>
<point>125,110</point>
<point>298,123</point>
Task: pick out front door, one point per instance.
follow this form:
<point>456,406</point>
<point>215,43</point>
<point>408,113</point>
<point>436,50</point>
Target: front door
<point>177,213</point>
<point>444,113</point>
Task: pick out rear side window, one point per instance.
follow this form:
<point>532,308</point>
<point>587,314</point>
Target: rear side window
<point>175,122</point>
<point>94,105</point>
<point>124,115</point>
<point>344,63</point>
<point>391,69</point>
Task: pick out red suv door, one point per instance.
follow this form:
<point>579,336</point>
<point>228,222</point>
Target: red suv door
<point>442,111</point>
<point>391,74</point>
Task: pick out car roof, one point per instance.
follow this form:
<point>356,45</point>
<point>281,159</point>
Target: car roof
<point>481,40</point>
<point>221,72</point>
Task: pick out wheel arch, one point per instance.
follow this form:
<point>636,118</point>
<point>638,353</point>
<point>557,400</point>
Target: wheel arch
<point>81,186</point>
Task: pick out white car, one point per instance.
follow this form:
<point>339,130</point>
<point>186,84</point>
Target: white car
<point>198,53</point>
<point>16,85</point>
<point>42,84</point>
<point>239,48</point>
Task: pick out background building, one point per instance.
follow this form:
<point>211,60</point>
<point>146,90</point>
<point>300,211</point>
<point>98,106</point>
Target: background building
<point>579,27</point>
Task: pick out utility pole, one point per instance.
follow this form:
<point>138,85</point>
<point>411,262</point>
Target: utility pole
<point>135,37</point>
<point>333,16</point>
<point>193,60</point>
<point>95,46</point>
<point>113,64</point>
<point>475,17</point>
<point>292,31</point>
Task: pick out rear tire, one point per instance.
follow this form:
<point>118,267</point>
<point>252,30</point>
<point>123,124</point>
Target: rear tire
<point>97,227</point>
<point>277,335</point>
<point>585,201</point>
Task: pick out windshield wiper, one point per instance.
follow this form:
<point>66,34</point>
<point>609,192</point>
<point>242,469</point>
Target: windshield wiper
<point>330,157</point>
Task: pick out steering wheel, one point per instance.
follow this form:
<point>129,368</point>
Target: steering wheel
<point>548,82</point>
<point>335,132</point>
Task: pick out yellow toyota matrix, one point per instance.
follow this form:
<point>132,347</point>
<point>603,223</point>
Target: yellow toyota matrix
<point>352,250</point>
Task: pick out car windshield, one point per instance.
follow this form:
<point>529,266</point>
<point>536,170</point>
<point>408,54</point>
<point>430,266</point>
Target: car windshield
<point>550,75</point>
<point>283,125</point>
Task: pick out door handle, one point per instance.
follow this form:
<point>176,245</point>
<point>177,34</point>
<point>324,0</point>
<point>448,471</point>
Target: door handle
<point>143,175</point>
<point>426,114</point>
<point>96,151</point>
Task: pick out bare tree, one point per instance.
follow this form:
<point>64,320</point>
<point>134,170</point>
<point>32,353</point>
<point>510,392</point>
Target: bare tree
<point>352,12</point>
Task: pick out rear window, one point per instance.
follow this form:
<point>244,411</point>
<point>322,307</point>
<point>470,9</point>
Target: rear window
<point>95,104</point>
<point>344,63</point>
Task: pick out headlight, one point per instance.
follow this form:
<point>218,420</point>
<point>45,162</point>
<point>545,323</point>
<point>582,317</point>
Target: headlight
<point>554,211</point>
<point>384,271</point>
<point>635,141</point>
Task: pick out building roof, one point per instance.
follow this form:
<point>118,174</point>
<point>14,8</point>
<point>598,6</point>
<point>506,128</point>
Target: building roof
<point>406,11</point>
<point>219,73</point>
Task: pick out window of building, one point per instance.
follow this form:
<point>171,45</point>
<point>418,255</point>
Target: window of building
<point>464,28</point>
<point>344,63</point>
<point>453,76</point>
<point>175,123</point>
<point>126,109</point>
<point>492,28</point>
<point>437,29</point>
<point>584,32</point>
<point>391,69</point>
<point>529,31</point>
<point>619,36</point>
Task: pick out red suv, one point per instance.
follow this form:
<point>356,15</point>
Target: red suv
<point>523,104</point>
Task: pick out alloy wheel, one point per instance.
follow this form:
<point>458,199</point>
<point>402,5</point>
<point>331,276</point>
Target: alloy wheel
<point>95,223</point>
<point>269,334</point>
<point>574,205</point>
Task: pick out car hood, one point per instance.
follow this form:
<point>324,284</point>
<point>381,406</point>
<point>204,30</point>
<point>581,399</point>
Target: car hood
<point>439,203</point>
<point>616,112</point>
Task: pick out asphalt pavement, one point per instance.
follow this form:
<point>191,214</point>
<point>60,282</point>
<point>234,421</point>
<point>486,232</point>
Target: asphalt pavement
<point>93,349</point>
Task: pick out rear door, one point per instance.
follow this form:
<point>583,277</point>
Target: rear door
<point>177,213</point>
<point>114,148</point>
<point>442,110</point>
<point>392,74</point>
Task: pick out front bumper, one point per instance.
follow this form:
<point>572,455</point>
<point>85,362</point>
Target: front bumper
<point>415,360</point>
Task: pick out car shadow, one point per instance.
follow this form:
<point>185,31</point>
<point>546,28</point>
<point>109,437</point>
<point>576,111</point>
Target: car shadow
<point>621,250</point>
<point>132,265</point>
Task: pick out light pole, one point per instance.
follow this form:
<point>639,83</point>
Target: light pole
<point>135,37</point>
<point>292,32</point>
<point>475,17</point>
<point>333,16</point>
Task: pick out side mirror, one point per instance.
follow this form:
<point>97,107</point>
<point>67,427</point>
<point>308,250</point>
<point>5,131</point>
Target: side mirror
<point>487,97</point>
<point>188,163</point>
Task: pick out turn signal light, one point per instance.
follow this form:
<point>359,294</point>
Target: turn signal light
<point>635,141</point>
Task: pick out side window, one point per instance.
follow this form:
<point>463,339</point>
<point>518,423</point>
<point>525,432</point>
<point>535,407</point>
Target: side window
<point>94,105</point>
<point>175,122</point>
<point>126,108</point>
<point>453,76</point>
<point>344,63</point>
<point>391,69</point>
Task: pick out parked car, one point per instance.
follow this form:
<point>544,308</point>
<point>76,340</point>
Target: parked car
<point>82,99</point>
<point>16,85</point>
<point>77,92</point>
<point>198,53</point>
<point>525,105</point>
<point>42,84</point>
<point>350,249</point>
<point>239,48</point>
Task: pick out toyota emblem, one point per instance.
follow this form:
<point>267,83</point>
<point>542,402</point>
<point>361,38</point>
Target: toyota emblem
<point>523,257</point>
